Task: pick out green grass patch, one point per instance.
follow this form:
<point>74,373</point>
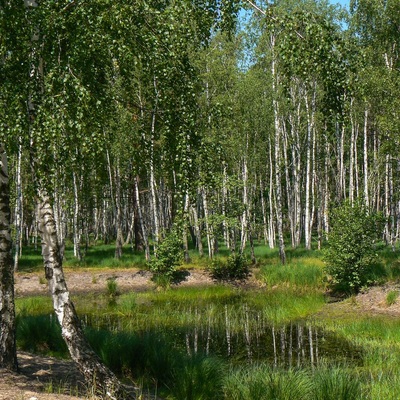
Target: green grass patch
<point>305,272</point>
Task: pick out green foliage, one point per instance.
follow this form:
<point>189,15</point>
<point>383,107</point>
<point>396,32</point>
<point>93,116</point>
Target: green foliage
<point>169,256</point>
<point>235,268</point>
<point>351,259</point>
<point>391,297</point>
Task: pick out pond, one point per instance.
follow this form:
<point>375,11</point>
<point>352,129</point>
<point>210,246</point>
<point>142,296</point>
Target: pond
<point>240,335</point>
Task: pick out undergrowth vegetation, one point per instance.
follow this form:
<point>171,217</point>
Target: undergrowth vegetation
<point>230,342</point>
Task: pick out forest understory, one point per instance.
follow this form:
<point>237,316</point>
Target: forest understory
<point>39,374</point>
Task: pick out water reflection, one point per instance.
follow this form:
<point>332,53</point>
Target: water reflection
<point>246,337</point>
<point>294,345</point>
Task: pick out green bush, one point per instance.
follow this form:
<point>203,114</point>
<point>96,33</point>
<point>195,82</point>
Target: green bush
<point>169,257</point>
<point>234,268</point>
<point>351,259</point>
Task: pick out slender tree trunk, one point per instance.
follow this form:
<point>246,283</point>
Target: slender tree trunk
<point>271,220</point>
<point>366,171</point>
<point>264,212</point>
<point>244,224</point>
<point>118,214</point>
<point>185,228</point>
<point>18,207</point>
<point>96,373</point>
<point>77,229</point>
<point>209,227</point>
<point>141,222</point>
<point>197,230</point>
<point>277,150</point>
<point>153,198</point>
<point>308,216</point>
<point>223,206</point>
<point>8,352</point>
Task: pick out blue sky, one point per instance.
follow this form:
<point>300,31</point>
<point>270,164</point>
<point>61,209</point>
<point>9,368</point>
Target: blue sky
<point>344,3</point>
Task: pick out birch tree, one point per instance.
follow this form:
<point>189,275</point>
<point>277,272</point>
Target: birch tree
<point>8,352</point>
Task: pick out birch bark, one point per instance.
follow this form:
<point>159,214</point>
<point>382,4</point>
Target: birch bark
<point>278,134</point>
<point>95,372</point>
<point>8,353</point>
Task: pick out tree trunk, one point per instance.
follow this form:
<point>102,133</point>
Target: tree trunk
<point>95,372</point>
<point>77,229</point>
<point>209,227</point>
<point>118,214</point>
<point>245,222</point>
<point>278,187</point>
<point>141,222</point>
<point>197,230</point>
<point>366,171</point>
<point>8,353</point>
<point>18,208</point>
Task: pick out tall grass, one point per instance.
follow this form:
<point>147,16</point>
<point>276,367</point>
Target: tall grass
<point>303,273</point>
<point>263,383</point>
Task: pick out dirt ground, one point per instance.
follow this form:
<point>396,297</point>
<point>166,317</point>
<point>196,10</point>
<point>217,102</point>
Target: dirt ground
<point>40,375</point>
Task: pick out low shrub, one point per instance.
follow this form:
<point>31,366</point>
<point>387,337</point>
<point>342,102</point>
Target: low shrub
<point>169,256</point>
<point>235,268</point>
<point>351,259</point>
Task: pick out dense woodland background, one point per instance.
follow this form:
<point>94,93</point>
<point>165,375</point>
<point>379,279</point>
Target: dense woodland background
<point>136,116</point>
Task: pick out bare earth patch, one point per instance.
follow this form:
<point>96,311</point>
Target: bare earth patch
<point>96,281</point>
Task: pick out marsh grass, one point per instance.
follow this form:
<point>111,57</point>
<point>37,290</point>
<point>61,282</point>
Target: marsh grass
<point>392,297</point>
<point>305,272</point>
<point>30,306</point>
<point>40,334</point>
<point>263,383</point>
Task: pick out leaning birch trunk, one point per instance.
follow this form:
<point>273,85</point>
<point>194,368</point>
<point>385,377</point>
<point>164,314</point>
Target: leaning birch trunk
<point>94,371</point>
<point>8,352</point>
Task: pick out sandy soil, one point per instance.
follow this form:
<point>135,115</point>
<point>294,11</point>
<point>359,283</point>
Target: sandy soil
<point>38,374</point>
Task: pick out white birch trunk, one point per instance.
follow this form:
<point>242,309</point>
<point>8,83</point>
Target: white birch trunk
<point>18,208</point>
<point>271,224</point>
<point>197,230</point>
<point>141,222</point>
<point>118,214</point>
<point>366,171</point>
<point>278,188</point>
<point>8,352</point>
<point>77,231</point>
<point>96,374</point>
<point>209,227</point>
<point>244,222</point>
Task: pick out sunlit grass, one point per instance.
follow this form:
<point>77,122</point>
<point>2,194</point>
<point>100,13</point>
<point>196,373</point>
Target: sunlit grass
<point>304,272</point>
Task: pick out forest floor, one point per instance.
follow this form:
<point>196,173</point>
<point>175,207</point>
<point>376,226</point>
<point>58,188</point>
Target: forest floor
<point>39,375</point>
